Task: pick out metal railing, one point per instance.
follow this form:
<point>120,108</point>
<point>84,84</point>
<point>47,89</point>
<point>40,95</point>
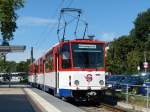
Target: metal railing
<point>137,91</point>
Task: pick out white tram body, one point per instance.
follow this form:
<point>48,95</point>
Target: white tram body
<point>72,68</point>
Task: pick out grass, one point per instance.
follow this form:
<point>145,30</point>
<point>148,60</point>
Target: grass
<point>138,100</point>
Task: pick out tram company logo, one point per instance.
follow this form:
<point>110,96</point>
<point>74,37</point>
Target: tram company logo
<point>88,78</point>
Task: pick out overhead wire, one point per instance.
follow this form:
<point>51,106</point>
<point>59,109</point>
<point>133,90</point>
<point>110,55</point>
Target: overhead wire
<point>39,42</point>
<point>74,18</point>
<point>71,1</point>
<point>59,20</point>
<point>86,30</point>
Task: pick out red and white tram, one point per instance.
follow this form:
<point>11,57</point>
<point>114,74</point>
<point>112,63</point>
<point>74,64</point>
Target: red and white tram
<point>73,68</point>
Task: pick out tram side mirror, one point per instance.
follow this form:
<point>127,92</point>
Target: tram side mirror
<point>66,59</point>
<point>65,55</point>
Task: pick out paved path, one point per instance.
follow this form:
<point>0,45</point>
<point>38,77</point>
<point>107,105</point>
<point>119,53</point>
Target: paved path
<point>14,100</point>
<point>51,103</point>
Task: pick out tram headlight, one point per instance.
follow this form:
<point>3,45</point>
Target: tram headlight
<point>76,82</point>
<point>101,82</point>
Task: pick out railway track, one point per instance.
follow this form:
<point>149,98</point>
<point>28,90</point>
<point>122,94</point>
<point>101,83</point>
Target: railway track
<point>112,108</point>
<point>98,107</point>
<point>102,108</point>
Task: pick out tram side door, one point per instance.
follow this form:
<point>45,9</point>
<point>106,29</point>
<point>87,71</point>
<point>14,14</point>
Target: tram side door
<point>56,74</point>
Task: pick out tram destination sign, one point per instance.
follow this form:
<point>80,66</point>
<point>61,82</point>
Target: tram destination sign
<point>12,48</point>
<point>86,46</point>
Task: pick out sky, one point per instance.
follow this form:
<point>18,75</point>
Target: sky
<point>37,22</point>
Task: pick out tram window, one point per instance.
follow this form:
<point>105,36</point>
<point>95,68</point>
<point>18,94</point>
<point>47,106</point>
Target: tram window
<point>66,56</point>
<point>41,66</point>
<point>49,64</point>
<point>36,69</point>
<point>88,55</point>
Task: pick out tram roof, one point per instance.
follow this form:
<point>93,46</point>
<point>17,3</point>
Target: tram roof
<point>84,41</point>
<point>70,41</point>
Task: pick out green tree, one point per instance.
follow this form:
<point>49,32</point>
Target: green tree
<point>127,52</point>
<point>142,26</point>
<point>23,66</point>
<point>117,54</point>
<point>134,59</point>
<point>1,65</point>
<point>8,17</point>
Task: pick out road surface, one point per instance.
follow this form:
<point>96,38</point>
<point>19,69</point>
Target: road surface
<point>14,100</point>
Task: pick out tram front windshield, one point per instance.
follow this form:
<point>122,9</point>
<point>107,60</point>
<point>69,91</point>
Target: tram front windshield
<point>87,55</point>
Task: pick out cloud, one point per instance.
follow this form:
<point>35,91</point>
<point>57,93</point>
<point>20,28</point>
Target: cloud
<point>108,36</point>
<point>34,21</point>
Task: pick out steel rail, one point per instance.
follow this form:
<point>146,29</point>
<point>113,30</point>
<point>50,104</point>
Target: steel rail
<point>111,108</point>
